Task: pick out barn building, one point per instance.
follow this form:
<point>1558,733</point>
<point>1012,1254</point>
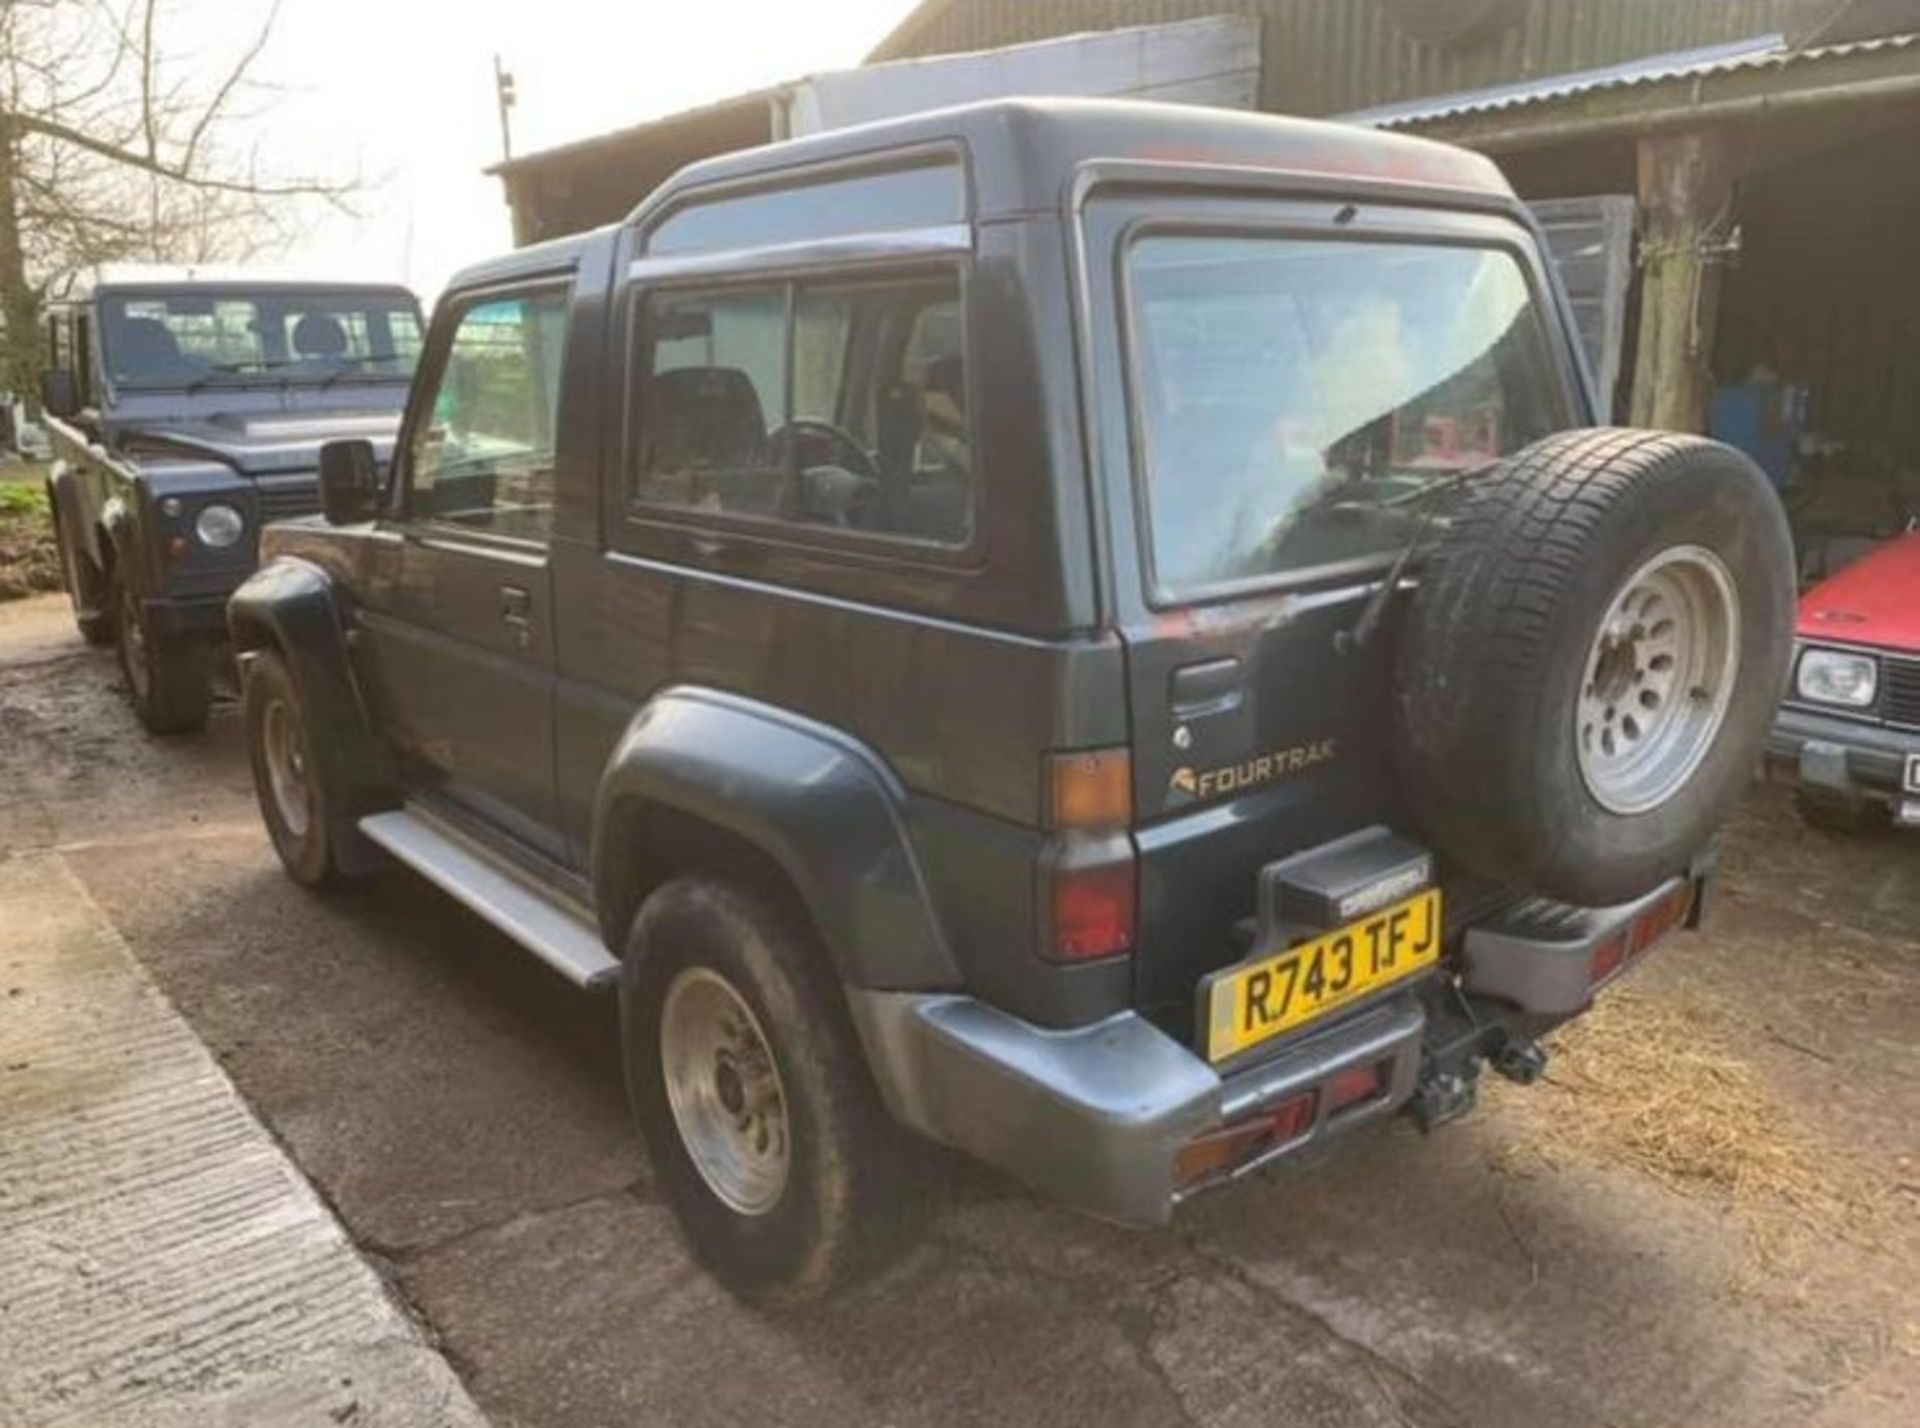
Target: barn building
<point>1731,187</point>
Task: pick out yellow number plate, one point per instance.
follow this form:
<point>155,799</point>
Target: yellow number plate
<point>1246,1005</point>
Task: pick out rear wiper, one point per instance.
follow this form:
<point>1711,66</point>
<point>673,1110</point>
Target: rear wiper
<point>1363,628</point>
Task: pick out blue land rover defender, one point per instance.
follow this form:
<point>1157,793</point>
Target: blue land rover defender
<point>186,409</point>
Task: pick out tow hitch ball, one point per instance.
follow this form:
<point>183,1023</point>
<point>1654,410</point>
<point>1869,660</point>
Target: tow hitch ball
<point>1522,1062</point>
<point>1446,1095</point>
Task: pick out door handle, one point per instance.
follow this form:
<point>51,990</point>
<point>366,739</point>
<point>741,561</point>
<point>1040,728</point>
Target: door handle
<point>516,605</point>
<point>1210,687</point>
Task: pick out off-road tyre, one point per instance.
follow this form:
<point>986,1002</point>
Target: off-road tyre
<point>1836,813</point>
<point>1499,650</point>
<point>87,589</point>
<point>301,806</point>
<point>849,1198</point>
<point>169,675</point>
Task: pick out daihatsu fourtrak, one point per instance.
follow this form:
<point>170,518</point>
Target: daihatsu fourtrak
<point>1098,634</point>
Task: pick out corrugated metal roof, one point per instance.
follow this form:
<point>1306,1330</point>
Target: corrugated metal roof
<point>1761,52</point>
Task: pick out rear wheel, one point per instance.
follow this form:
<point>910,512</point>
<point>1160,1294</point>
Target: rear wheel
<point>767,1135</point>
<point>168,673</point>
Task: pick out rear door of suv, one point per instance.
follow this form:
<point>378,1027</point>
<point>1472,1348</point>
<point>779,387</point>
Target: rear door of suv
<point>1282,388</point>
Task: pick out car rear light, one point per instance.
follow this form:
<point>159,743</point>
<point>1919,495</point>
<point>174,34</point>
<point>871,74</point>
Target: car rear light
<point>1607,958</point>
<point>1649,927</point>
<point>1356,1086</point>
<point>1660,919</point>
<point>1091,910</point>
<point>1213,1154</point>
<point>1090,788</point>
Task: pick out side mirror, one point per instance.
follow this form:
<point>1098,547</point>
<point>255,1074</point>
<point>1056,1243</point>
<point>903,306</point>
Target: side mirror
<point>349,482</point>
<point>59,393</point>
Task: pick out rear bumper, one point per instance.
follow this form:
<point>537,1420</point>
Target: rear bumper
<point>1096,1116</point>
<point>1841,756</point>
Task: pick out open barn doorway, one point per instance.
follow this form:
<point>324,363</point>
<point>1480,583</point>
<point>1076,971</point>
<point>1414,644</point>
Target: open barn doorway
<point>1816,351</point>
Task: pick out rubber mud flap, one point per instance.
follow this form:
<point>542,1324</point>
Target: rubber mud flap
<point>1586,677</point>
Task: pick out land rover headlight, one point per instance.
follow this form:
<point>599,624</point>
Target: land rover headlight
<point>1838,677</point>
<point>219,526</point>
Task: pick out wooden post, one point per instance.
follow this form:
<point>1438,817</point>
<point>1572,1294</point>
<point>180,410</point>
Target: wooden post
<point>1686,209</point>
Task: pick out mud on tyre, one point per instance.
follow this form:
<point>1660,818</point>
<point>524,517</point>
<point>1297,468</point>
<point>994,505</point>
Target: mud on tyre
<point>766,1133</point>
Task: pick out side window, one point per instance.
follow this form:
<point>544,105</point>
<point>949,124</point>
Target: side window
<point>714,389</point>
<point>836,404</point>
<point>484,458</point>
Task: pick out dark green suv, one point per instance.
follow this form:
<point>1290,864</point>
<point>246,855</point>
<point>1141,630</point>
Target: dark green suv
<point>1094,633</point>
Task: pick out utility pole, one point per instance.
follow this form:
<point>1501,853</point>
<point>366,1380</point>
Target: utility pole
<point>503,96</point>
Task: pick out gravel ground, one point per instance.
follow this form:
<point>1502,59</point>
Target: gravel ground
<point>458,1107</point>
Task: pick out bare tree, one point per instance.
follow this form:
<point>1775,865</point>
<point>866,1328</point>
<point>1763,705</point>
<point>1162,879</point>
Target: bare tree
<point>112,148</point>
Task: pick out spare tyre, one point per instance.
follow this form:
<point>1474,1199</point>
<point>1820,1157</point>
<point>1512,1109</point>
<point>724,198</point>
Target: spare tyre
<point>1592,660</point>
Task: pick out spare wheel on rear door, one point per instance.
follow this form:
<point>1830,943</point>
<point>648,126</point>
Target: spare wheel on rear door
<point>1592,660</point>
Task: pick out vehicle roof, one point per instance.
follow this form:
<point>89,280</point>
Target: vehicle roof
<point>554,255</point>
<point>1025,152</point>
<point>113,277</point>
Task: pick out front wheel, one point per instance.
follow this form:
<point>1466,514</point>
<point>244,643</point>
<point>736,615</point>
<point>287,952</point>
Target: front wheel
<point>767,1135</point>
<point>169,673</point>
<point>297,800</point>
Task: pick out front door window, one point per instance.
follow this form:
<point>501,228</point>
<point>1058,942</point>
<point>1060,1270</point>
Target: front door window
<point>484,458</point>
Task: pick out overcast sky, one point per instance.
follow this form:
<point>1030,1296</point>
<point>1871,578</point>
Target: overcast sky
<point>403,90</point>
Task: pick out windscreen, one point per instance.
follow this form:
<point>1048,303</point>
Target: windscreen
<point>182,339</point>
<point>1294,397</point>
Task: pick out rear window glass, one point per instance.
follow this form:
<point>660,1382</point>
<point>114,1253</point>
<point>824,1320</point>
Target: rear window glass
<point>1294,397</point>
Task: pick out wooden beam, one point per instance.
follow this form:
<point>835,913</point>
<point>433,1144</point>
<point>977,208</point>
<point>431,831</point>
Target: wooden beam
<point>1686,190</point>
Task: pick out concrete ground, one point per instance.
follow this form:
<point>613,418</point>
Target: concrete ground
<point>165,1262</point>
<point>1565,1256</point>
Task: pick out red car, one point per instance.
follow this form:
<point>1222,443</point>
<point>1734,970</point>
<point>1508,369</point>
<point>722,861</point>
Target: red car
<point>1850,725</point>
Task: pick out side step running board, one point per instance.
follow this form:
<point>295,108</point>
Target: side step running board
<point>549,929</point>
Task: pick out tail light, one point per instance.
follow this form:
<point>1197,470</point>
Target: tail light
<point>1660,919</point>
<point>1649,927</point>
<point>1088,877</point>
<point>1090,788</point>
<point>1607,957</point>
<point>1090,909</point>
